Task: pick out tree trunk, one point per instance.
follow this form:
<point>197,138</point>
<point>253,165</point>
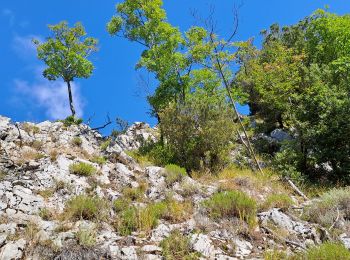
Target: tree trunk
<point>70,98</point>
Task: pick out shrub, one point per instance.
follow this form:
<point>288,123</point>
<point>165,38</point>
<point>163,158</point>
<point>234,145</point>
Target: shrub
<point>81,168</point>
<point>281,201</point>
<point>86,207</point>
<point>135,194</point>
<point>177,246</point>
<point>198,133</point>
<point>77,141</point>
<point>100,160</point>
<point>232,204</point>
<point>126,221</point>
<point>145,219</point>
<point>45,214</point>
<point>326,210</point>
<point>86,238</point>
<point>105,145</point>
<point>328,251</point>
<point>174,173</point>
<point>71,120</point>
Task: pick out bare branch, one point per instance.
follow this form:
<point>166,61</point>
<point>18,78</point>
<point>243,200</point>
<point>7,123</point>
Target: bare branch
<point>108,122</point>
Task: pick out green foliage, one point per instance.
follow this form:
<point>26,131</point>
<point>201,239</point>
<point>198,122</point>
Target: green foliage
<point>82,169</point>
<point>65,52</point>
<point>86,207</point>
<point>71,120</point>
<point>177,246</point>
<point>131,218</point>
<point>281,201</point>
<point>100,160</point>
<point>105,144</point>
<point>299,80</point>
<point>199,133</point>
<point>86,237</point>
<point>174,173</point>
<point>77,141</point>
<point>332,205</point>
<point>45,214</point>
<point>191,69</point>
<point>135,194</point>
<point>232,204</point>
<point>327,251</point>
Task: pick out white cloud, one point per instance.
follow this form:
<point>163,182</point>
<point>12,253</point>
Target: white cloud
<point>50,95</point>
<point>24,46</point>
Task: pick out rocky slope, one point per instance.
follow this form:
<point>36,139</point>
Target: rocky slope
<point>37,186</point>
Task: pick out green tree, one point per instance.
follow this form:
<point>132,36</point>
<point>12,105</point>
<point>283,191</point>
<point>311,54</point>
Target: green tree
<point>65,53</point>
<point>298,80</point>
<point>185,64</point>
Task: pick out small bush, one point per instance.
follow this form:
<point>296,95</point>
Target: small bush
<point>325,211</point>
<point>71,120</point>
<point>105,145</point>
<point>86,238</point>
<point>82,169</point>
<point>127,221</point>
<point>232,204</point>
<point>30,129</point>
<point>177,246</point>
<point>37,145</point>
<point>174,173</point>
<point>135,194</point>
<point>177,211</point>
<point>76,141</point>
<point>45,214</point>
<point>100,160</point>
<point>121,204</point>
<point>53,155</point>
<point>328,251</point>
<point>85,207</point>
<point>275,255</point>
<point>46,193</point>
<point>281,201</point>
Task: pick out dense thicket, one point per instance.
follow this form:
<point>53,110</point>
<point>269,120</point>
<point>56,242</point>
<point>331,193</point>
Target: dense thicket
<point>299,80</point>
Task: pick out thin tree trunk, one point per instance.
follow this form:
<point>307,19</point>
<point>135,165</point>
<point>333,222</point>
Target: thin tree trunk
<point>70,98</point>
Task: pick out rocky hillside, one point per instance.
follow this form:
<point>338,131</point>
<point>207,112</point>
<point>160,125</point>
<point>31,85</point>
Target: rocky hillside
<point>68,193</point>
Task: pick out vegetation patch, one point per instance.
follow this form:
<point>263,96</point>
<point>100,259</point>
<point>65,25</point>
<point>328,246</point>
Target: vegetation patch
<point>71,120</point>
<point>174,173</point>
<point>327,251</point>
<point>178,246</point>
<point>232,204</point>
<point>100,160</point>
<point>332,205</point>
<point>86,207</point>
<point>82,169</point>
<point>281,201</point>
<point>76,141</point>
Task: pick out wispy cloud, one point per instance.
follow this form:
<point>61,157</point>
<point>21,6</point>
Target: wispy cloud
<point>40,92</point>
<point>50,95</point>
<point>24,46</point>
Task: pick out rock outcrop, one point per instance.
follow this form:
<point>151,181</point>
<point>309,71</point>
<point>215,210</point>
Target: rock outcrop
<point>36,185</point>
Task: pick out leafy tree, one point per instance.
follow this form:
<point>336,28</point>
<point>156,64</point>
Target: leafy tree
<point>186,65</point>
<point>299,81</point>
<point>65,53</point>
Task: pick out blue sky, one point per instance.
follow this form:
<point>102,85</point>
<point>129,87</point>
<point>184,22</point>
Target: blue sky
<point>114,87</point>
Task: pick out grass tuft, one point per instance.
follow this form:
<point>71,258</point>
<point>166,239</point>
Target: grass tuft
<point>82,169</point>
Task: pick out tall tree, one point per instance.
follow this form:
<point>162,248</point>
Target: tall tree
<point>65,53</point>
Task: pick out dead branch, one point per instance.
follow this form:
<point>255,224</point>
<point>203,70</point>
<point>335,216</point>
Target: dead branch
<point>295,188</point>
<point>19,135</point>
<point>108,122</point>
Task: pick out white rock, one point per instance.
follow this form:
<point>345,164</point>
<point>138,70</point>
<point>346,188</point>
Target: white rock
<point>203,244</point>
<point>13,250</point>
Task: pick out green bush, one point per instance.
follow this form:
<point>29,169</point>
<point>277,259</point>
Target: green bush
<point>100,160</point>
<point>82,169</point>
<point>232,204</point>
<point>282,201</point>
<point>77,141</point>
<point>174,173</point>
<point>86,207</point>
<point>71,120</point>
<point>198,133</point>
<point>328,251</point>
<point>105,145</point>
<point>86,238</point>
<point>326,210</point>
<point>177,246</point>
